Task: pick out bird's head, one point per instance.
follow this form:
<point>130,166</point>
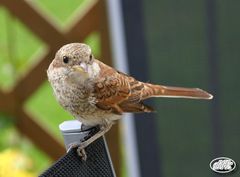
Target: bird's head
<point>75,59</point>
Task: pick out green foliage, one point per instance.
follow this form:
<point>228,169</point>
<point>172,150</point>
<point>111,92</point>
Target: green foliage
<point>11,139</point>
<point>60,11</point>
<point>17,48</point>
<point>18,51</point>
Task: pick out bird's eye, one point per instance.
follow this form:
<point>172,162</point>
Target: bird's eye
<point>65,59</point>
<point>90,58</point>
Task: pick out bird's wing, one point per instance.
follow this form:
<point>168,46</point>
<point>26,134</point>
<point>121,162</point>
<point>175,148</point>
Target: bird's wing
<point>118,92</point>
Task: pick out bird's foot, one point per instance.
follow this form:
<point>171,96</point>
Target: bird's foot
<point>82,153</point>
<point>80,150</point>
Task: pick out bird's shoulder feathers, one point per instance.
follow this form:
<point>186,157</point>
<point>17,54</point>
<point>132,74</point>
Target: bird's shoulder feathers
<point>118,92</point>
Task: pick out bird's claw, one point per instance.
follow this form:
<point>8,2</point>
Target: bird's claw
<point>80,150</point>
<point>82,153</point>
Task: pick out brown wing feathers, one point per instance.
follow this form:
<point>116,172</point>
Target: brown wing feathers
<point>117,92</point>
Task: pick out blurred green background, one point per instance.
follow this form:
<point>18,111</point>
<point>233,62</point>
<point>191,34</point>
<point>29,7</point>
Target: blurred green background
<point>177,44</point>
<point>19,50</point>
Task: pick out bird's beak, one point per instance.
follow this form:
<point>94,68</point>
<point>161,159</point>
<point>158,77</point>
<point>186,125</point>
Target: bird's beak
<point>82,68</point>
<point>78,69</point>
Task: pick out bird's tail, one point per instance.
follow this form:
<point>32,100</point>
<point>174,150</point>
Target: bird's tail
<point>152,90</point>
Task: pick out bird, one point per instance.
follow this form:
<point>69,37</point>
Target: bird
<point>97,94</point>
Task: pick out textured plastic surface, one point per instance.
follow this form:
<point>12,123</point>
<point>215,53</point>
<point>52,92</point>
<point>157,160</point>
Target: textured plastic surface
<point>70,126</point>
<point>98,163</point>
<point>73,132</point>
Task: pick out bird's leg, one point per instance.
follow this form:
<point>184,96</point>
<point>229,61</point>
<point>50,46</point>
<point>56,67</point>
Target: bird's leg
<point>103,129</point>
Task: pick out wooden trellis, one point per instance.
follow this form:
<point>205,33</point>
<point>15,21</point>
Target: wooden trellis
<point>93,18</point>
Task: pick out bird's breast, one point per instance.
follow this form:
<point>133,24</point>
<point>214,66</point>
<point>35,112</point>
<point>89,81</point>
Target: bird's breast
<point>80,102</point>
<point>72,97</point>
